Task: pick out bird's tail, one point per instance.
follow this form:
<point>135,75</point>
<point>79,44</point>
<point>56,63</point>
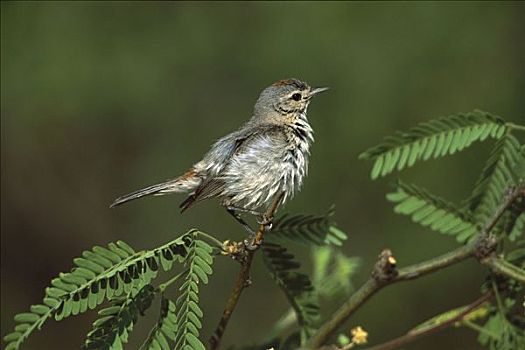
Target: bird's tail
<point>184,183</point>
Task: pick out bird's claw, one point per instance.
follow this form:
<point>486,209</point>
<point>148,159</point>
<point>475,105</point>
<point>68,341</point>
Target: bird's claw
<point>266,221</point>
<point>251,243</point>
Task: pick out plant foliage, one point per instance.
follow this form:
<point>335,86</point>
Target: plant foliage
<point>111,330</point>
<point>198,262</point>
<point>332,272</point>
<point>499,334</point>
<point>307,229</point>
<point>495,178</point>
<point>432,211</point>
<point>106,274</point>
<point>432,139</point>
<point>123,277</point>
<point>331,280</point>
<point>504,168</point>
<point>295,285</point>
<point>504,328</point>
<point>164,332</point>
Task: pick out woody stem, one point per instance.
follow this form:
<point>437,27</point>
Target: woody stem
<point>248,249</point>
<point>413,335</point>
<point>385,272</point>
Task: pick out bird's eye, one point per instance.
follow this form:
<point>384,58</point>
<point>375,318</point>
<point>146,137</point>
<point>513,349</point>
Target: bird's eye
<point>296,96</point>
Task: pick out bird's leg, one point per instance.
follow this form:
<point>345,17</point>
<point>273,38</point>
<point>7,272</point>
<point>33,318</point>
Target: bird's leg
<point>232,211</point>
<point>249,243</point>
<point>245,210</point>
<point>261,217</point>
<point>266,221</point>
<point>267,217</point>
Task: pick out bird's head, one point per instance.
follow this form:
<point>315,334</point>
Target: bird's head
<point>284,98</point>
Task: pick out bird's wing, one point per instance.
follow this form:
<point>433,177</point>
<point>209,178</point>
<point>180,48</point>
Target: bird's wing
<point>254,146</point>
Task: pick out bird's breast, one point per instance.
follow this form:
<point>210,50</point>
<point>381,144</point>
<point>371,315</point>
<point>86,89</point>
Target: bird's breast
<point>300,138</point>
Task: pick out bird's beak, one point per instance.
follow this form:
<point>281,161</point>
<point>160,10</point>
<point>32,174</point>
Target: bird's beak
<point>318,90</point>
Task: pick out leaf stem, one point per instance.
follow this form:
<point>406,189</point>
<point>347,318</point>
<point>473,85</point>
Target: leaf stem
<point>215,241</point>
<point>412,336</point>
<point>515,126</point>
<point>374,284</point>
<point>474,326</point>
<point>499,265</point>
<point>385,272</point>
<point>162,287</point>
<point>498,299</point>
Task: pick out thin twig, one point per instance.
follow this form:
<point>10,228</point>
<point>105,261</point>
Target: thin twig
<point>161,288</point>
<point>481,330</point>
<point>248,249</point>
<point>212,239</point>
<point>384,272</point>
<point>373,285</point>
<point>516,126</point>
<point>416,334</point>
<point>499,265</point>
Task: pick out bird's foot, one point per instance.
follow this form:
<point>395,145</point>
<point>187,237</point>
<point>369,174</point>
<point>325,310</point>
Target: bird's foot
<point>253,242</point>
<point>266,221</point>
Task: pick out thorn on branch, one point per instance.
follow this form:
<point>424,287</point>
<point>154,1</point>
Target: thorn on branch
<point>385,267</point>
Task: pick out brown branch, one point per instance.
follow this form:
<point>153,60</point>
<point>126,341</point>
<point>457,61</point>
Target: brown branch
<point>381,280</point>
<point>244,253</point>
<point>419,333</point>
<point>384,272</point>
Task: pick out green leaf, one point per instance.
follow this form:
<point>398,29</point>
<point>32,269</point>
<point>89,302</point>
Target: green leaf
<point>188,319</point>
<point>112,329</point>
<point>166,327</point>
<point>432,211</point>
<point>436,138</point>
<point>500,334</point>
<point>194,342</point>
<point>101,274</point>
<point>26,317</point>
<point>307,229</point>
<point>515,226</point>
<point>333,272</point>
<point>496,177</point>
<point>296,286</point>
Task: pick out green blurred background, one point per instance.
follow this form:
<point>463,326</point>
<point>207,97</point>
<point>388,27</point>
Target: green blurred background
<point>99,99</point>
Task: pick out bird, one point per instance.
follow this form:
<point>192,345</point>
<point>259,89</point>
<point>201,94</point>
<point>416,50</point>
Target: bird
<point>248,168</point>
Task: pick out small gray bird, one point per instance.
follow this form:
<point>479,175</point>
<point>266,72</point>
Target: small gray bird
<point>247,169</point>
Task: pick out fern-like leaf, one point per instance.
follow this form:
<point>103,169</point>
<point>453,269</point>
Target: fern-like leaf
<point>517,255</point>
<point>30,321</point>
<point>500,334</point>
<point>435,138</point>
<point>296,286</point>
<point>164,332</point>
<point>111,330</point>
<point>496,177</point>
<point>198,262</point>
<point>432,211</point>
<point>518,228</point>
<point>100,274</point>
<point>103,273</point>
<point>333,272</point>
<point>307,229</point>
